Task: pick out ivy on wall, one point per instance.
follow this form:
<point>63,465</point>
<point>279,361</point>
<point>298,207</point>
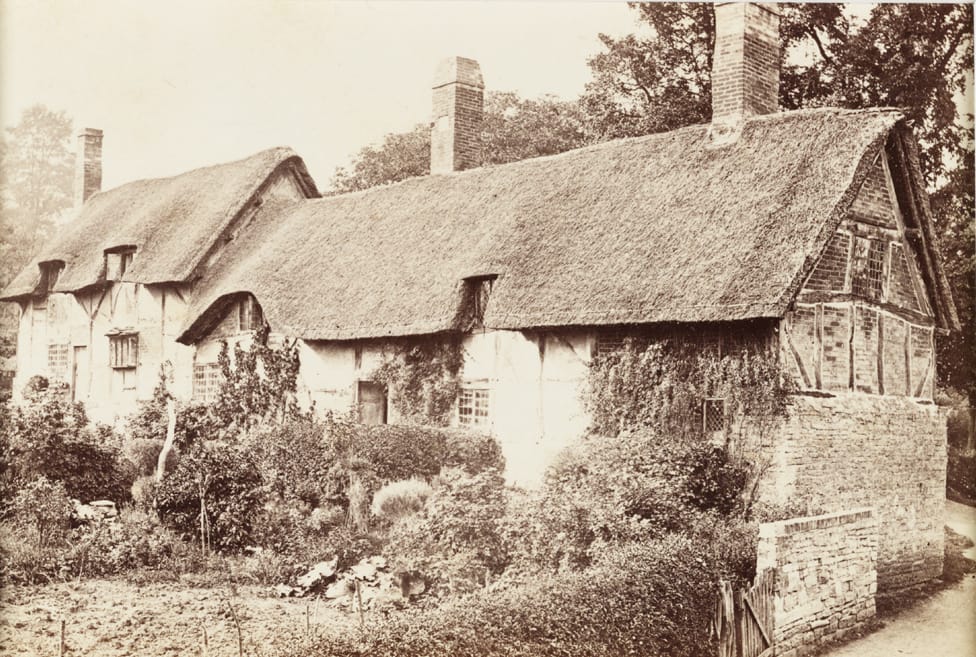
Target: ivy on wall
<point>258,383</point>
<point>662,386</point>
<point>422,377</point>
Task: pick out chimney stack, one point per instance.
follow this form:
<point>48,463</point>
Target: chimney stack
<point>455,132</point>
<point>745,68</point>
<point>88,165</point>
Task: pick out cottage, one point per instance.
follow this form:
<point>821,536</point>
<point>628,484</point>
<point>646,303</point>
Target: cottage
<point>103,303</point>
<point>807,232</point>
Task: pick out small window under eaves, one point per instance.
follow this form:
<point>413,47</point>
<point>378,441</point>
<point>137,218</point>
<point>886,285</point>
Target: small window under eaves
<point>477,294</point>
<point>118,260</point>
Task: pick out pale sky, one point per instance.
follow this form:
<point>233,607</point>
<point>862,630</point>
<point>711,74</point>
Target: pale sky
<point>177,85</point>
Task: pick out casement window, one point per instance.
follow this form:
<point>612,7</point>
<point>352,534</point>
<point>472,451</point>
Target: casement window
<point>867,267</point>
<point>474,407</point>
<point>371,402</point>
<point>713,417</point>
<point>206,382</point>
<point>118,261</point>
<point>249,315</point>
<point>58,362</point>
<point>123,351</point>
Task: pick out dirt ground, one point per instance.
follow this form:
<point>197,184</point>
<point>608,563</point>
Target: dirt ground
<point>115,619</point>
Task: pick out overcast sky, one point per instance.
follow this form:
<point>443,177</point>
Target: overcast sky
<point>176,85</point>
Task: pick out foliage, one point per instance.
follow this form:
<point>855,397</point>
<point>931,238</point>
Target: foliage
<point>42,510</point>
<point>961,475</point>
<point>422,377</point>
<point>954,210</point>
<point>50,436</point>
<point>258,384</point>
<point>400,498</point>
<point>653,598</point>
<point>457,537</point>
<point>295,462</point>
<point>635,486</point>
<point>913,56</point>
<point>213,495</point>
<point>36,177</point>
<point>642,85</point>
<point>662,387</point>
<point>514,128</point>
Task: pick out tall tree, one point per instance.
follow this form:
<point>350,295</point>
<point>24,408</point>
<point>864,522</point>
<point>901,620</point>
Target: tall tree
<point>35,183</point>
<point>913,56</point>
<point>35,188</point>
<point>514,129</point>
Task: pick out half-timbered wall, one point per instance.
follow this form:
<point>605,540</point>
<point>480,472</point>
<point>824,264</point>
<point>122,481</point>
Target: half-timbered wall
<point>862,321</point>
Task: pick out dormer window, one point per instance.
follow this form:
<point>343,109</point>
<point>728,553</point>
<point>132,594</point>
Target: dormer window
<point>249,315</point>
<point>477,294</point>
<point>118,261</point>
<point>50,271</point>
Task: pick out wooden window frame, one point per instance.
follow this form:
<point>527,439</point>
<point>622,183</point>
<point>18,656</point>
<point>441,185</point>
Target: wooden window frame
<point>474,407</point>
<point>123,351</point>
<point>207,378</point>
<point>250,317</point>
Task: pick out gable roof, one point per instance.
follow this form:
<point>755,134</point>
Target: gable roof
<point>663,228</point>
<point>172,222</point>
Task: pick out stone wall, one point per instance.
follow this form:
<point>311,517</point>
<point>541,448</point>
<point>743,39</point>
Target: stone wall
<point>856,450</point>
<point>826,577</point>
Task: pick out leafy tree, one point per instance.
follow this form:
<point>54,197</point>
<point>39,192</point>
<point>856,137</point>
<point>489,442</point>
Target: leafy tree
<point>35,188</point>
<point>514,129</point>
<point>36,183</point>
<point>912,56</point>
<point>953,206</point>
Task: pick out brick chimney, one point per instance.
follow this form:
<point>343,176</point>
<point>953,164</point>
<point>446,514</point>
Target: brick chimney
<point>455,131</point>
<point>88,165</point>
<point>745,69</point>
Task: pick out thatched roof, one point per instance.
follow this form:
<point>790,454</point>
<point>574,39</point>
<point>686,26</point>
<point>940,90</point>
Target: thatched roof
<point>173,222</point>
<point>664,228</point>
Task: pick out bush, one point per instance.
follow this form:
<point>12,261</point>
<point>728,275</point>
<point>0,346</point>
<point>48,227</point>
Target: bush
<point>32,542</point>
<point>400,498</point>
<point>961,474</point>
<point>655,598</point>
<point>135,541</point>
<point>296,462</point>
<point>220,478</point>
<point>457,537</point>
<point>394,452</point>
<point>50,436</point>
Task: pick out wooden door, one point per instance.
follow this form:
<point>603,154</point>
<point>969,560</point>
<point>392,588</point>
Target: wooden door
<point>371,399</point>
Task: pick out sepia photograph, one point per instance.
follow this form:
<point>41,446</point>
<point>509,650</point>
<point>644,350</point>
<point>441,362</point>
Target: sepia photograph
<point>335,328</point>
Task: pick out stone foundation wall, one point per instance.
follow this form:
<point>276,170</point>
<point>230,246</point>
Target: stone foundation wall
<point>826,578</point>
<point>857,450</point>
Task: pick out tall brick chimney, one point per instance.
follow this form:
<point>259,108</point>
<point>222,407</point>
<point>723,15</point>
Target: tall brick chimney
<point>88,165</point>
<point>745,68</point>
<point>455,131</point>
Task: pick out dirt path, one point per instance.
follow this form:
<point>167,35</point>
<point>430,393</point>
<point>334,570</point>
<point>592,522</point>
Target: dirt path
<point>942,626</point>
<point>115,619</point>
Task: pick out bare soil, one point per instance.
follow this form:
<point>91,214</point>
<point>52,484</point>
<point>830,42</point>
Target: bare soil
<point>115,618</point>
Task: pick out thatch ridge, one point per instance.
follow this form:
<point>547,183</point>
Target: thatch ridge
<point>172,221</point>
<point>660,228</point>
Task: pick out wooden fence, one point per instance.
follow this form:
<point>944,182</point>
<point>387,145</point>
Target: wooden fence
<point>743,622</point>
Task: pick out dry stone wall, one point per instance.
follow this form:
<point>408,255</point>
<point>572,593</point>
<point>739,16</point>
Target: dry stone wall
<point>825,577</point>
<point>856,450</point>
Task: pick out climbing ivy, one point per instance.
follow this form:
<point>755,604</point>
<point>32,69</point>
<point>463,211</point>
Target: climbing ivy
<point>422,377</point>
<point>259,383</point>
<point>662,387</point>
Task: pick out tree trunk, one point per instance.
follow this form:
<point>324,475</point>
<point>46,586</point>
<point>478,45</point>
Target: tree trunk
<point>170,437</point>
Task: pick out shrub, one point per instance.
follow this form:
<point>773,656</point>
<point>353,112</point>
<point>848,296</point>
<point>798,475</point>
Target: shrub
<point>654,598</point>
<point>50,436</point>
<point>636,486</point>
<point>457,537</point>
<point>42,511</point>
<point>220,479</point>
<point>32,542</point>
<point>394,452</point>
<point>136,540</point>
<point>295,461</point>
<point>400,498</point>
